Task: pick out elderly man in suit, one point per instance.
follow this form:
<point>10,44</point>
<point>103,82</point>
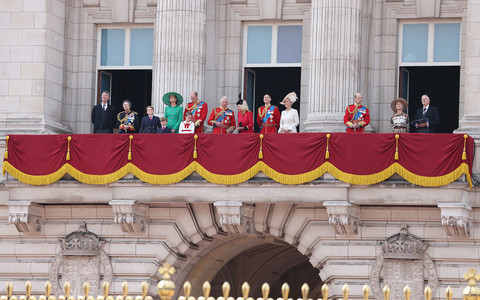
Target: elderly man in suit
<point>103,115</point>
<point>427,118</point>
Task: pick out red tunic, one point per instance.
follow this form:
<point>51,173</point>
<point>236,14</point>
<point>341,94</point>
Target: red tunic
<point>359,115</point>
<point>268,119</point>
<point>226,117</point>
<point>199,111</point>
<point>246,119</point>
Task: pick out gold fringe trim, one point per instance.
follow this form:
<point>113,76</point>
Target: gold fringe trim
<point>260,153</point>
<point>5,156</point>
<point>327,153</point>
<point>396,146</point>
<point>464,154</point>
<point>68,147</point>
<point>195,147</point>
<point>242,177</point>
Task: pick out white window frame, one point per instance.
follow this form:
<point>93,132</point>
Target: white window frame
<point>273,57</point>
<point>430,45</point>
<point>126,58</point>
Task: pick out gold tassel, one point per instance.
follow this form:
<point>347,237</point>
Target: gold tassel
<point>396,146</point>
<point>6,147</point>
<point>260,154</point>
<point>68,147</point>
<point>195,147</point>
<point>464,154</point>
<point>130,148</point>
<point>327,153</point>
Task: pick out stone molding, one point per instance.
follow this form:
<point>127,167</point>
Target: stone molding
<point>343,216</point>
<point>456,218</point>
<point>131,216</point>
<point>235,217</point>
<point>25,215</point>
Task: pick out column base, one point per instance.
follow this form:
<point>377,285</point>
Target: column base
<point>22,124</point>
<point>322,122</point>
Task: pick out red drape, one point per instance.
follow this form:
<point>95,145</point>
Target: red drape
<point>424,159</point>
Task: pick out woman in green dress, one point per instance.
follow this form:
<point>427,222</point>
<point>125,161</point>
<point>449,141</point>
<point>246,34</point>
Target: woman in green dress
<point>173,110</point>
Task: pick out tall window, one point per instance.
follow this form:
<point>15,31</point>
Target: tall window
<point>125,48</point>
<point>273,45</point>
<point>430,44</point>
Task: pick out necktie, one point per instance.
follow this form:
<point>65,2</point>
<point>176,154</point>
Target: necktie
<point>104,107</point>
<point>424,110</point>
<point>150,118</point>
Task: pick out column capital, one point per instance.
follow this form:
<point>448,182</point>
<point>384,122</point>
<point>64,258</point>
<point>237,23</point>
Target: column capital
<point>235,217</point>
<point>456,218</point>
<point>343,216</point>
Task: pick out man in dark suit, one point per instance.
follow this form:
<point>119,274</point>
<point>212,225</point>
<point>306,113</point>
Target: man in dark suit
<point>150,123</point>
<point>429,117</point>
<point>103,115</point>
<point>163,128</point>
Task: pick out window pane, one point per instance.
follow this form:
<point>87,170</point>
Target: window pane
<point>259,44</point>
<point>113,47</point>
<point>446,42</point>
<point>415,43</point>
<point>289,45</point>
<point>141,46</point>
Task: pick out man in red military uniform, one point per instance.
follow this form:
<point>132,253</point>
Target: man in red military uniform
<point>268,117</point>
<point>199,110</point>
<point>356,116</point>
<point>222,118</point>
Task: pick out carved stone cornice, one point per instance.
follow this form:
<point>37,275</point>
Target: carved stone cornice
<point>235,217</point>
<point>26,215</point>
<point>343,216</point>
<point>131,216</point>
<point>456,218</point>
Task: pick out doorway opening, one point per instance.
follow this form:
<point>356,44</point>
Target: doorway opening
<point>441,84</point>
<point>133,85</point>
<point>277,82</point>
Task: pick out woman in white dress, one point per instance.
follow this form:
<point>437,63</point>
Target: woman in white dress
<point>289,119</point>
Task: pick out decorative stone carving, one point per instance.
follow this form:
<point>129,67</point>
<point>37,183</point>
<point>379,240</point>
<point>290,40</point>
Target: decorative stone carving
<point>27,216</point>
<point>235,217</point>
<point>403,261</point>
<point>131,216</point>
<point>456,218</point>
<point>81,260</point>
<point>343,216</point>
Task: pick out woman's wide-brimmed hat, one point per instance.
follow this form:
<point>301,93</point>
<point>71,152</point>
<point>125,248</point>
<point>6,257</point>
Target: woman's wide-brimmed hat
<point>291,96</point>
<point>166,98</point>
<point>401,100</point>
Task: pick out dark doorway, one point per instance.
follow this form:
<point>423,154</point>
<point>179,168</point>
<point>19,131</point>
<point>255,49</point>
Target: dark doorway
<point>441,84</point>
<point>277,82</point>
<point>133,85</point>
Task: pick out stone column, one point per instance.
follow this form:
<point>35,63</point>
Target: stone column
<point>334,62</point>
<point>179,49</point>
<point>470,122</point>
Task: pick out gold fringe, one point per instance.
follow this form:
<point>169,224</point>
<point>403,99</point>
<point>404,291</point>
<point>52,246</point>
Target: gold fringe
<point>130,147</point>
<point>260,154</point>
<point>327,153</point>
<point>242,177</point>
<point>6,147</point>
<point>464,154</point>
<point>396,146</point>
<point>195,147</point>
<point>228,179</point>
<point>68,147</point>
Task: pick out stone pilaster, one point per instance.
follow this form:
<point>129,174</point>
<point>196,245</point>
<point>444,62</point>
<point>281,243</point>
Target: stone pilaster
<point>470,122</point>
<point>180,49</point>
<point>334,62</point>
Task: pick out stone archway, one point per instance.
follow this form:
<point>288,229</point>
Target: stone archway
<point>255,259</point>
